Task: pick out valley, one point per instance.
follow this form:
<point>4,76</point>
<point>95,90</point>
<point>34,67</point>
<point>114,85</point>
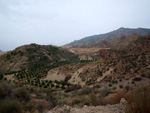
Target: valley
<point>78,76</point>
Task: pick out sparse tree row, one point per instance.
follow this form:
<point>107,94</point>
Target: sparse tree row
<point>33,77</point>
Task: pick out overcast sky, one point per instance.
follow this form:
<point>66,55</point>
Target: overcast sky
<point>59,22</point>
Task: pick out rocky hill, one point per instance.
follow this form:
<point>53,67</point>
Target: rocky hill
<point>93,40</point>
<point>127,58</point>
<point>33,55</point>
<point>90,85</point>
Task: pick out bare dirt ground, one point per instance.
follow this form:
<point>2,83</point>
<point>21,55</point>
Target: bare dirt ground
<point>10,77</point>
<point>3,53</point>
<point>84,50</point>
<point>117,108</point>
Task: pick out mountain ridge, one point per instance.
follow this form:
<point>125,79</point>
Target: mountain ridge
<point>32,56</point>
<point>108,36</point>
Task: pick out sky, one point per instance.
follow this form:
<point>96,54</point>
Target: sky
<point>59,22</point>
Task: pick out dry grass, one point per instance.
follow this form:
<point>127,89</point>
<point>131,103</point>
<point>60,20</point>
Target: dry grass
<point>139,100</point>
<point>113,98</point>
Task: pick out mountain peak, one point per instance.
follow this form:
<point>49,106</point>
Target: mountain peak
<point>122,28</point>
<point>108,36</point>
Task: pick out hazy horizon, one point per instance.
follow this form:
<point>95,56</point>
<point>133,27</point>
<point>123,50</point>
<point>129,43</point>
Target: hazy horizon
<point>61,22</point>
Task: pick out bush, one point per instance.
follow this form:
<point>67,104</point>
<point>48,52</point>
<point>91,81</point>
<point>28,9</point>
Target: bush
<point>86,91</point>
<point>110,85</point>
<point>22,94</point>
<point>105,92</point>
<point>1,76</point>
<point>113,98</point>
<point>137,79</point>
<point>94,100</point>
<point>121,86</point>
<point>8,88</point>
<point>139,100</point>
<point>114,88</point>
<point>40,107</point>
<point>3,92</point>
<point>11,106</point>
<point>76,101</point>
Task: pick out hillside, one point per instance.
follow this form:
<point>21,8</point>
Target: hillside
<point>128,58</point>
<point>108,36</point>
<point>51,79</point>
<point>33,55</point>
<point>1,51</point>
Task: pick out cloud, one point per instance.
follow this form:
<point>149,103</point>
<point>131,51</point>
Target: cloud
<point>61,21</point>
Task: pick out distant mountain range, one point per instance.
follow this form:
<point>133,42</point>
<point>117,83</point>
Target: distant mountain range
<point>121,32</point>
<point>1,51</point>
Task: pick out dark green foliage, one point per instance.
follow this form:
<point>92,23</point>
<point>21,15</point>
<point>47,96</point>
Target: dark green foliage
<point>62,87</point>
<point>52,49</point>
<point>13,53</point>
<point>52,85</point>
<point>1,76</point>
<point>105,92</point>
<point>44,58</point>
<point>86,91</point>
<point>31,57</point>
<point>114,82</point>
<point>57,86</point>
<point>31,50</point>
<point>21,53</point>
<point>8,57</point>
<point>10,72</point>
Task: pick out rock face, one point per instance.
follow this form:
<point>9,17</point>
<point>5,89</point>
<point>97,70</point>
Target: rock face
<point>118,108</point>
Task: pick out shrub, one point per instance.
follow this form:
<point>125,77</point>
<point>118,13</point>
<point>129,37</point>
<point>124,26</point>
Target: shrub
<point>127,87</point>
<point>110,85</point>
<point>1,76</point>
<point>105,92</point>
<point>76,101</point>
<point>94,100</point>
<point>137,79</point>
<point>11,106</point>
<point>113,98</point>
<point>22,94</point>
<point>121,86</point>
<point>3,92</point>
<point>68,89</point>
<point>40,108</point>
<point>114,88</point>
<point>8,57</point>
<point>114,82</point>
<point>5,78</point>
<point>8,88</point>
<point>139,100</point>
<point>86,91</point>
